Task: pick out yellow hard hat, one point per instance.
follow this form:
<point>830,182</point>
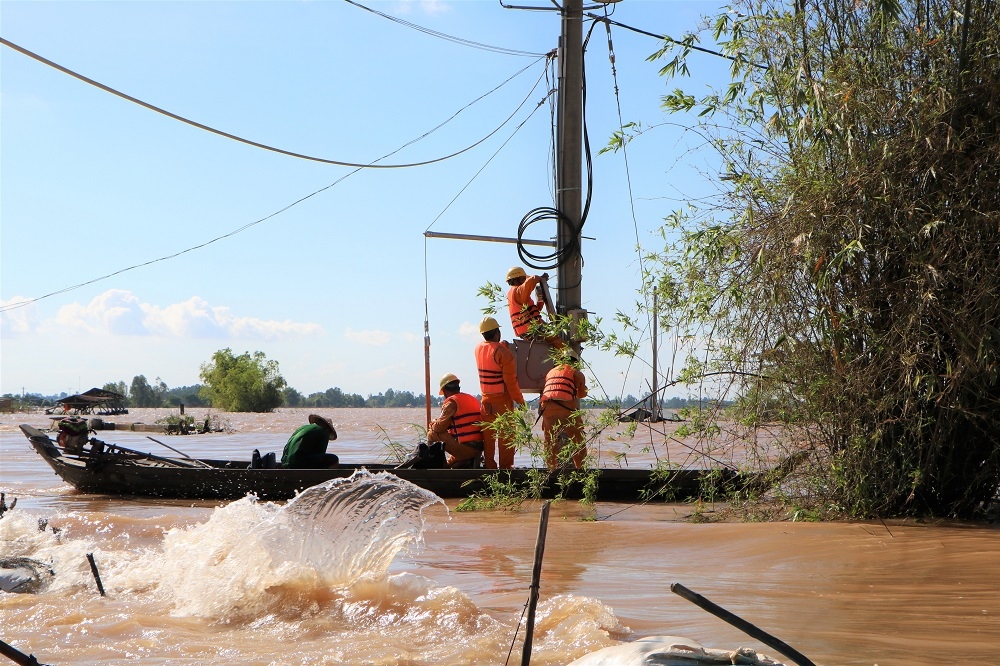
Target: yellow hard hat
<point>488,324</point>
<point>516,272</point>
<point>447,379</point>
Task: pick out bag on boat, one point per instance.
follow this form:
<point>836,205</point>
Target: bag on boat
<point>72,434</point>
<point>267,461</point>
<point>427,456</point>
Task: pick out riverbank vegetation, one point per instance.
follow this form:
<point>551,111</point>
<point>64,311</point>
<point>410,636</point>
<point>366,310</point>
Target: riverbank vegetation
<point>844,281</point>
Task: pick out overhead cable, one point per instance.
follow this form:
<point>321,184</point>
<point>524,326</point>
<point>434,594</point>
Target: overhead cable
<point>548,94</point>
<point>628,180</point>
<point>667,38</point>
<point>369,165</point>
<point>20,304</point>
<point>446,37</point>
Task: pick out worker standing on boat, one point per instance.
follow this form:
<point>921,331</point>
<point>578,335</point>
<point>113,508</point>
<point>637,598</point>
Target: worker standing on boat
<point>306,448</point>
<point>498,384</point>
<point>525,313</point>
<point>458,425</point>
<point>559,405</point>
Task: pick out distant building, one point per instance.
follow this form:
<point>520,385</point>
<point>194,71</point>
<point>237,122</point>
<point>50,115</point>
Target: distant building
<point>94,401</point>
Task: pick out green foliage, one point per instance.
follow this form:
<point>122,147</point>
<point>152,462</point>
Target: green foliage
<point>334,397</point>
<point>393,398</point>
<point>397,452</point>
<point>142,394</point>
<point>186,395</point>
<point>116,387</point>
<point>183,424</point>
<point>244,383</point>
<point>845,279</point>
<point>495,296</point>
<point>291,398</point>
<point>502,492</point>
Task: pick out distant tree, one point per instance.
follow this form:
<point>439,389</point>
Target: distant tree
<point>143,394</point>
<point>244,383</point>
<point>117,387</point>
<point>185,395</point>
<point>291,397</point>
<point>334,397</point>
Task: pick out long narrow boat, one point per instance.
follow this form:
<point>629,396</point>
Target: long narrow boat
<point>124,472</point>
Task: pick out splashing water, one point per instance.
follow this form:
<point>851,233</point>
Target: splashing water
<point>306,582</point>
<point>347,528</point>
<point>251,558</point>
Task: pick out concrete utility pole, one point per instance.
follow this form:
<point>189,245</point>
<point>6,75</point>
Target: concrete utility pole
<point>569,151</point>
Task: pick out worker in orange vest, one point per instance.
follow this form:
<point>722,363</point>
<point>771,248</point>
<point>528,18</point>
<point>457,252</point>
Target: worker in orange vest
<point>498,384</point>
<point>525,313</point>
<point>559,405</point>
<point>458,425</point>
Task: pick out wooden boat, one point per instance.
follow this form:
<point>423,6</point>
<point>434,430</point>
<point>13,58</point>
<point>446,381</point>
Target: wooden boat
<point>119,471</point>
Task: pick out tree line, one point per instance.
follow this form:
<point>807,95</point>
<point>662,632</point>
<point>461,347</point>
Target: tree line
<point>252,383</point>
<point>236,383</point>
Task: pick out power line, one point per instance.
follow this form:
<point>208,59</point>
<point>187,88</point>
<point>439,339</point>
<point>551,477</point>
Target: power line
<point>369,165</point>
<point>444,36</point>
<point>667,38</point>
<point>20,304</point>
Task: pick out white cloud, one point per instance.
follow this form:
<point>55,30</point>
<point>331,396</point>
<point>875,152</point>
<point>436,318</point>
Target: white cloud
<point>368,338</point>
<point>20,321</point>
<point>420,6</point>
<point>197,319</point>
<point>120,312</point>
<point>115,312</point>
<point>470,331</point>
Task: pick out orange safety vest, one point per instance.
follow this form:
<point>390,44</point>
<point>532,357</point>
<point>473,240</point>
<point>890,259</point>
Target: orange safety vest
<point>465,424</point>
<point>560,384</point>
<point>521,316</point>
<point>490,372</point>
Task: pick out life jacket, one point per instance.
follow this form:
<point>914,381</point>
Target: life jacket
<point>560,384</point>
<point>490,372</point>
<point>465,424</point>
<point>522,316</point>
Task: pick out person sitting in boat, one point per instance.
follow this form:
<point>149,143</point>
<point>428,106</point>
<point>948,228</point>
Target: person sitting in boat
<point>458,425</point>
<point>306,448</point>
<point>73,434</point>
<point>525,313</point>
<point>559,406</point>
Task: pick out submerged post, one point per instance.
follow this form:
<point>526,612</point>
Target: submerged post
<point>17,656</point>
<point>536,575</point>
<point>97,575</point>
<point>741,624</point>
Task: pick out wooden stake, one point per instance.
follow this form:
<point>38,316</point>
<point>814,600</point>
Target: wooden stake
<point>97,575</point>
<point>536,575</point>
<point>17,656</point>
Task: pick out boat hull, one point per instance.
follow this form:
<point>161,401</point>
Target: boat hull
<point>154,476</point>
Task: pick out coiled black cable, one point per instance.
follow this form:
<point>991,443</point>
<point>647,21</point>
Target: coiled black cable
<point>555,258</point>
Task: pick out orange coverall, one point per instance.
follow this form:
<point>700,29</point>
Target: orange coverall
<point>497,368</point>
<point>560,400</point>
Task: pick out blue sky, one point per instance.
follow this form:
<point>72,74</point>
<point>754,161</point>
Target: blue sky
<point>335,287</point>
